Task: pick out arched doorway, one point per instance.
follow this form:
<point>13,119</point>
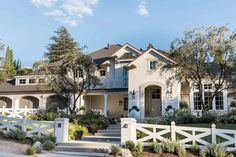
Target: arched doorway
<point>29,102</point>
<point>6,102</point>
<point>153,101</point>
<point>56,101</point>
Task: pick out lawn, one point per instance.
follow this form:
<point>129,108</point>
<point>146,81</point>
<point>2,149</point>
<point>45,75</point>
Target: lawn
<point>208,125</point>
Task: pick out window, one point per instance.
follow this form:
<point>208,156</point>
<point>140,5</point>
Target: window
<point>196,87</point>
<point>31,81</point>
<point>155,93</point>
<point>126,104</point>
<point>80,73</point>
<point>152,65</point>
<point>102,72</point>
<point>22,81</point>
<point>197,101</point>
<point>207,97</point>
<point>219,101</point>
<point>207,86</point>
<point>125,77</point>
<point>41,80</point>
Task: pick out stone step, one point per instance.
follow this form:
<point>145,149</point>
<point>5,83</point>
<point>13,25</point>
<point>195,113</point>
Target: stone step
<point>113,127</point>
<point>116,134</point>
<point>80,154</point>
<point>85,146</point>
<point>101,138</point>
<point>108,131</point>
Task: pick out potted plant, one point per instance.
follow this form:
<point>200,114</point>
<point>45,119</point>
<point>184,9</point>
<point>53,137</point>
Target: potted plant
<point>134,112</point>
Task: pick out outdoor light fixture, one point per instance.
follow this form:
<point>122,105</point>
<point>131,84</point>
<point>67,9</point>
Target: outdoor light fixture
<point>133,94</point>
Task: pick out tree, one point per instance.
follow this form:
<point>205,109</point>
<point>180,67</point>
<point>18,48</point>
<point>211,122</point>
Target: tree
<point>70,72</point>
<point>2,71</point>
<point>17,66</point>
<point>8,64</point>
<point>206,54</point>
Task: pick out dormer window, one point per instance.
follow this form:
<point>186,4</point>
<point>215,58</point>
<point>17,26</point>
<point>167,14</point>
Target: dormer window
<point>152,65</point>
<point>22,81</point>
<point>32,81</point>
<point>102,72</point>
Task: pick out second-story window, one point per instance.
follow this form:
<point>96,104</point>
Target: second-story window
<point>80,73</point>
<point>22,81</point>
<point>152,65</point>
<point>102,72</point>
<point>207,86</point>
<point>32,81</point>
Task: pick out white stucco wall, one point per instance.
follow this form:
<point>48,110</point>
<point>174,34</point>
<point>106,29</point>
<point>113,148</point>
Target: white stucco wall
<point>140,77</point>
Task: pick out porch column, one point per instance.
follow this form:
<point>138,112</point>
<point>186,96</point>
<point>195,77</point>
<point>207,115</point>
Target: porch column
<point>16,102</point>
<point>105,104</point>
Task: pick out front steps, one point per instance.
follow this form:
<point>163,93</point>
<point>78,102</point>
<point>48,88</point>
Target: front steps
<point>99,143</point>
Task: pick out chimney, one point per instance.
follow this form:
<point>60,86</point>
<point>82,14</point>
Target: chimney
<point>150,46</point>
<point>108,46</point>
<point>141,49</point>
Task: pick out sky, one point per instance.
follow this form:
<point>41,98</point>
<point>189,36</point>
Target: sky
<point>27,25</point>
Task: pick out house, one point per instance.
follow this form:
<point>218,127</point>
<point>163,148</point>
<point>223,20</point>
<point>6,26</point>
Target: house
<point>129,77</point>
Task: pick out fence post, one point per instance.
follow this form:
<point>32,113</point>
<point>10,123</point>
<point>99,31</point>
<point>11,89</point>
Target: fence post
<point>61,129</point>
<point>24,123</point>
<point>213,134</point>
<point>128,130</point>
<point>25,111</point>
<point>172,131</point>
<point>3,108</point>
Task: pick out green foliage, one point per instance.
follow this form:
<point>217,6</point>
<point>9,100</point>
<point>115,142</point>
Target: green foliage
<point>210,117</point>
<point>46,114</point>
<point>77,131</point>
<point>156,147</point>
<point>17,134</point>
<point>38,147</point>
<point>183,105</point>
<point>203,152</point>
<point>8,64</point>
<point>195,148</point>
<point>157,120</point>
<point>185,117</point>
<point>42,138</point>
<point>180,149</point>
<point>30,151</point>
<point>168,146</point>
<point>115,150</point>
<point>130,145</point>
<point>139,150</point>
<point>48,145</point>
<point>216,150</point>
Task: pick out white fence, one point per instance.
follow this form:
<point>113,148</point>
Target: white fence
<point>59,127</point>
<point>146,133</point>
<point>16,112</point>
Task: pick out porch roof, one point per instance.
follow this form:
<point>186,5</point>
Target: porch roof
<point>111,90</point>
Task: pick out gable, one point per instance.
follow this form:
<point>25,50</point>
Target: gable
<point>152,54</point>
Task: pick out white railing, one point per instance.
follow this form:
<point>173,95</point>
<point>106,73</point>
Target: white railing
<point>146,133</point>
<point>16,112</point>
<point>59,127</point>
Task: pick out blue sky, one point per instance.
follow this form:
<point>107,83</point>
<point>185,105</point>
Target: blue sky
<point>27,25</point>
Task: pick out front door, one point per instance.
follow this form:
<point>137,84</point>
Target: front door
<point>153,101</point>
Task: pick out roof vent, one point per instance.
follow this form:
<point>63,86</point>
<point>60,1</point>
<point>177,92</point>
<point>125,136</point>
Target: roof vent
<point>108,46</point>
<point>150,46</point>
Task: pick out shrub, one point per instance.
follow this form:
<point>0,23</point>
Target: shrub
<point>195,148</point>
<point>157,148</point>
<point>42,138</point>
<point>77,131</point>
<point>183,105</point>
<point>130,145</point>
<point>216,150</point>
<point>115,150</point>
<point>48,145</point>
<point>209,117</point>
<point>30,151</point>
<point>139,150</point>
<point>168,146</point>
<point>179,149</point>
<point>203,152</point>
<point>185,117</point>
<point>17,134</point>
<point>157,120</point>
<point>230,155</point>
<point>38,147</point>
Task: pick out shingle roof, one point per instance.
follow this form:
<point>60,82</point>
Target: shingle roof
<point>10,88</point>
<point>105,52</point>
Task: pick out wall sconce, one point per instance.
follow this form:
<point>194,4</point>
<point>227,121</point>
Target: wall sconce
<point>133,94</point>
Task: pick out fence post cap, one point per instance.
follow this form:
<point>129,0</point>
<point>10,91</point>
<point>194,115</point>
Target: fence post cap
<point>172,123</point>
<point>213,125</point>
<point>61,120</point>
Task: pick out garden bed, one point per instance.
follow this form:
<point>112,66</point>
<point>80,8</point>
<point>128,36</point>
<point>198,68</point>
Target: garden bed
<point>151,154</point>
